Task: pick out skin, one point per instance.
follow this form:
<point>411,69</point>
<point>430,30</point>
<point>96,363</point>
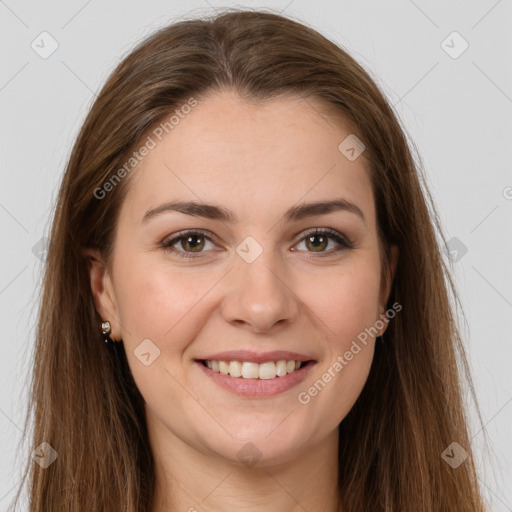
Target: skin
<point>257,161</point>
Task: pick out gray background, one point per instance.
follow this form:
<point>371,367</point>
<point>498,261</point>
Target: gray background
<point>457,110</point>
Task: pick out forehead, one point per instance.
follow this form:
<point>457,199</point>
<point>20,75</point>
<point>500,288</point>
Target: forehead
<point>251,158</point>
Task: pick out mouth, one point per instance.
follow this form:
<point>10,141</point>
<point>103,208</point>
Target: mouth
<point>256,380</point>
<point>251,370</point>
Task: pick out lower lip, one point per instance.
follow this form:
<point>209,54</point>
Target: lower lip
<point>258,388</point>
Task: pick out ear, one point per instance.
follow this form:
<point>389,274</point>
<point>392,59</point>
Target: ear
<point>388,282</point>
<point>102,290</point>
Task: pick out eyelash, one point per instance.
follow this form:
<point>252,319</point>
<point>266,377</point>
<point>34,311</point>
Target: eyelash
<point>344,242</point>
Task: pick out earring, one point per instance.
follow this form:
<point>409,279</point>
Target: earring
<point>105,331</point>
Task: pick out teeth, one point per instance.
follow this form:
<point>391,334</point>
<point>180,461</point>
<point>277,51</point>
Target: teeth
<point>235,369</point>
<point>267,370</point>
<point>249,370</point>
<point>281,368</point>
<point>223,367</point>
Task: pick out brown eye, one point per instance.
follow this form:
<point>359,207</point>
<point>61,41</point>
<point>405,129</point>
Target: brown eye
<point>317,241</point>
<point>188,244</point>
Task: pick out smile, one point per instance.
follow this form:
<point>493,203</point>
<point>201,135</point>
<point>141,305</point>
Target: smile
<point>251,370</point>
<point>248,382</point>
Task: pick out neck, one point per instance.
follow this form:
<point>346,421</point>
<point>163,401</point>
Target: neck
<point>191,480</point>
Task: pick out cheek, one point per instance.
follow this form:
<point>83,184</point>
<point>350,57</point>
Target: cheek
<point>160,305</point>
<point>347,305</point>
<point>346,301</point>
<point>158,302</point>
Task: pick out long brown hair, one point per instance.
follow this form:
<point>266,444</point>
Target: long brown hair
<point>85,402</point>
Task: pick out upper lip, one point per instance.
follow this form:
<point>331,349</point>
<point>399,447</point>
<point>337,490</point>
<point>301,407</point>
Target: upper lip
<point>255,357</point>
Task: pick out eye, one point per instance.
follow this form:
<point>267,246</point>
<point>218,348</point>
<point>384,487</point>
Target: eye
<point>191,243</point>
<point>318,240</point>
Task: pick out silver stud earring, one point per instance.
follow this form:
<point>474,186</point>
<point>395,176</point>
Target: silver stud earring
<point>106,330</point>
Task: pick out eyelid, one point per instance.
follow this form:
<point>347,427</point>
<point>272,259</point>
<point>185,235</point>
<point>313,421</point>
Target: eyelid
<point>168,242</point>
<point>332,233</point>
<point>342,240</point>
<point>187,232</point>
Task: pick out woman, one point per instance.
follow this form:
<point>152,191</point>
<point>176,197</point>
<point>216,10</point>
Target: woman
<point>241,219</point>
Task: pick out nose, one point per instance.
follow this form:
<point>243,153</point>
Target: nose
<point>259,297</point>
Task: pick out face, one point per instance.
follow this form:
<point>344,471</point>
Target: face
<point>188,285</point>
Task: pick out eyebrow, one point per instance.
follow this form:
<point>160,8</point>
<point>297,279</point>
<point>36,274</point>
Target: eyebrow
<point>294,214</point>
